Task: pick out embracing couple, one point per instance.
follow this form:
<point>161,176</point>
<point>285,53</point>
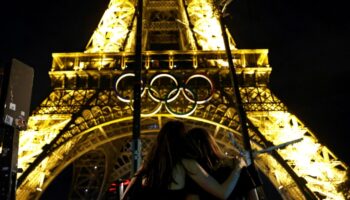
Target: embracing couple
<point>189,165</point>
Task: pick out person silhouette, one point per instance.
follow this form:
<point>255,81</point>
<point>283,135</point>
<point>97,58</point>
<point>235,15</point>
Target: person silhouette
<point>167,166</point>
<point>202,147</point>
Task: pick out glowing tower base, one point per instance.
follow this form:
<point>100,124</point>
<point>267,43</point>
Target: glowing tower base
<point>87,118</point>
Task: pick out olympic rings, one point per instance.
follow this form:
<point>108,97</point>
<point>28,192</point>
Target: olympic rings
<point>194,106</point>
<point>211,88</point>
<point>166,93</point>
<point>124,99</point>
<point>166,97</point>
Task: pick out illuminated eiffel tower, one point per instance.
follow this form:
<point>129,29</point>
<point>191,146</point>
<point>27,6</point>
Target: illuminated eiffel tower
<point>86,121</point>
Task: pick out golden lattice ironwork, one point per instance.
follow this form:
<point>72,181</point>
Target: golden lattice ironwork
<point>86,120</point>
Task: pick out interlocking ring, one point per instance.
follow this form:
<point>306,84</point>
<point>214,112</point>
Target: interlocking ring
<point>183,114</point>
<point>211,88</point>
<point>170,98</point>
<point>170,92</point>
<point>176,91</point>
<point>120,97</point>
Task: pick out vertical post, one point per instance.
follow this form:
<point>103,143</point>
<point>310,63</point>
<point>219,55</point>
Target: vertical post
<point>6,134</point>
<point>136,141</point>
<point>234,80</point>
<point>8,162</point>
<point>121,188</point>
<point>241,112</point>
<point>9,137</point>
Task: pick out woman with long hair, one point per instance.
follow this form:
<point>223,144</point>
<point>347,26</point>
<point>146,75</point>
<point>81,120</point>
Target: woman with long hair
<point>166,167</point>
<point>203,148</point>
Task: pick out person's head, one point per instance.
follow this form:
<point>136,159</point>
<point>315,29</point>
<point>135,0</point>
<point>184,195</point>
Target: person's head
<point>166,153</point>
<point>203,147</point>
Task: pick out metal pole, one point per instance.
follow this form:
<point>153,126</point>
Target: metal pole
<point>239,105</point>
<point>244,122</point>
<point>234,80</point>
<point>136,141</point>
<point>9,137</point>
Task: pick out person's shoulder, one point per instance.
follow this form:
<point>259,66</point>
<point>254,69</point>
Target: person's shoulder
<point>179,169</point>
<point>191,165</point>
<point>188,161</point>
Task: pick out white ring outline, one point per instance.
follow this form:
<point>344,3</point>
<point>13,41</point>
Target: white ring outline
<point>155,110</point>
<point>125,100</point>
<point>211,89</point>
<point>182,114</point>
<point>166,98</point>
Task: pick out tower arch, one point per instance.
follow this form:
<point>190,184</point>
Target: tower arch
<point>89,110</point>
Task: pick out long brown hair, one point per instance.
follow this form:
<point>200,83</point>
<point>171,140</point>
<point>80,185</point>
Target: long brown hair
<point>166,153</point>
<point>202,147</point>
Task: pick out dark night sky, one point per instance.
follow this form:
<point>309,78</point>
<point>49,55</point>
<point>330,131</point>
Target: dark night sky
<point>307,41</point>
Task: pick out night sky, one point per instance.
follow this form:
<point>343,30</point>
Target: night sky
<point>307,40</point>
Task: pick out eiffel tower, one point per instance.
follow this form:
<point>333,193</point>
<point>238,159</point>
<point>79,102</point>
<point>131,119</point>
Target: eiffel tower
<point>86,121</point>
